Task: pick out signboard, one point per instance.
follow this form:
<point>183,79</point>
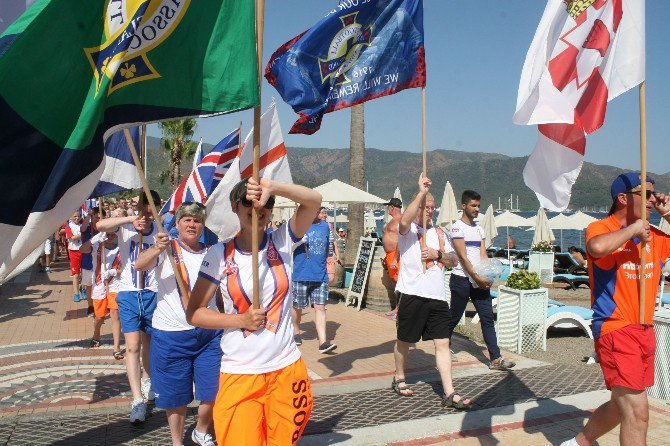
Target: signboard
<point>359,277</point>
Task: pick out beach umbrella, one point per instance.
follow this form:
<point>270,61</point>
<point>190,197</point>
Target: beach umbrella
<point>510,220</point>
<point>448,208</point>
<point>489,226</point>
<point>582,220</point>
<point>543,232</point>
<point>562,221</point>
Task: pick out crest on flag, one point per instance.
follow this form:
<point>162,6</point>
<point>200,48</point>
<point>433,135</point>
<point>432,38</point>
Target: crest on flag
<point>345,49</point>
<point>132,29</point>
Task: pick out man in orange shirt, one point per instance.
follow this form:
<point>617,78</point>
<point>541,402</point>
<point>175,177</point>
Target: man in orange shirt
<point>625,347</point>
<point>390,244</point>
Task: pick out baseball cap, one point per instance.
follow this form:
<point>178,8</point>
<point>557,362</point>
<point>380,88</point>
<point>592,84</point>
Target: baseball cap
<point>626,182</point>
<point>395,202</point>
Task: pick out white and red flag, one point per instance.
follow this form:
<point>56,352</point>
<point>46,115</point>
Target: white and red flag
<point>585,53</point>
<point>273,165</point>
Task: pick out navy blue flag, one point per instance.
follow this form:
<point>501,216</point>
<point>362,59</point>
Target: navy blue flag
<point>120,172</point>
<point>358,52</point>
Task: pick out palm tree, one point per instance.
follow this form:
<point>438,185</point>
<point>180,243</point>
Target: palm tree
<point>177,145</point>
<point>356,179</point>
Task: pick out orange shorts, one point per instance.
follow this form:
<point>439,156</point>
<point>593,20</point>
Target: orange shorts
<point>267,409</point>
<point>102,306</point>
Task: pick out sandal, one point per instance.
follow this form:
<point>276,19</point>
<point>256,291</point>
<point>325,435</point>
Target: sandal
<point>119,355</point>
<point>399,386</point>
<point>448,401</point>
<point>94,343</point>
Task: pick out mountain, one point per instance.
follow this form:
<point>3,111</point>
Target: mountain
<point>493,175</point>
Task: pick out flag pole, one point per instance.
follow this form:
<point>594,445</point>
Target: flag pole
<point>260,12</point>
<point>143,158</point>
<point>145,186</point>
<point>643,202</point>
<point>423,158</point>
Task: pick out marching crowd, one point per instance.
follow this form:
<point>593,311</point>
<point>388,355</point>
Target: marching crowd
<point>185,306</point>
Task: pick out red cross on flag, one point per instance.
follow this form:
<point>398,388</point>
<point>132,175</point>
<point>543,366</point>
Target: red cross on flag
<point>585,53</point>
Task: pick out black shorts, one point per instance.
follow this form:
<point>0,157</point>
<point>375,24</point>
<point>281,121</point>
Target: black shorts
<point>422,318</point>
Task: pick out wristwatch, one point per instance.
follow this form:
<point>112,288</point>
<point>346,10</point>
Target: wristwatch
<point>439,255</point>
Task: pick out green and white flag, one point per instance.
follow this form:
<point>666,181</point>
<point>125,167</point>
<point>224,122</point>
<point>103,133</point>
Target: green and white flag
<point>72,73</point>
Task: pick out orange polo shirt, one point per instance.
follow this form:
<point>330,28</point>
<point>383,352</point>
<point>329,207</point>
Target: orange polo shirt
<point>615,278</point>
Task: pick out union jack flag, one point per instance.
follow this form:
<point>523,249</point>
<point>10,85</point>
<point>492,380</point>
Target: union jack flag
<point>209,172</point>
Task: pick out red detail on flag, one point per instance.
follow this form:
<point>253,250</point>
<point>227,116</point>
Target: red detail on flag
<point>567,135</point>
<point>563,68</point>
<point>618,14</point>
<point>592,105</point>
<point>266,159</point>
<point>599,38</point>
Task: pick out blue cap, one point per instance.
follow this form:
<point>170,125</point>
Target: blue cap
<point>626,182</point>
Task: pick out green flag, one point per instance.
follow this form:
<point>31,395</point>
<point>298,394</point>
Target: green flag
<point>73,72</point>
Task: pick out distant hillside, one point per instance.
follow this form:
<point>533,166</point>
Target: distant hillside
<point>491,174</point>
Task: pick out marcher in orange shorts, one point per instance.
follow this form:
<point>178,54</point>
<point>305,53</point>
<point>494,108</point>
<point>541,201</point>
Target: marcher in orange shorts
<point>264,393</point>
<point>105,283</point>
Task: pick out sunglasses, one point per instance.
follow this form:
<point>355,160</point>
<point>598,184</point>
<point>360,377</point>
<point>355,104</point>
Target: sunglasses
<point>247,204</point>
<point>649,193</point>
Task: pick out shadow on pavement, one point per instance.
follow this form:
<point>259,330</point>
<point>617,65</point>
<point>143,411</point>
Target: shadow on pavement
<point>19,304</point>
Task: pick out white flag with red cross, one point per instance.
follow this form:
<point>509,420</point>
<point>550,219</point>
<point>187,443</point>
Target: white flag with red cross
<point>584,54</point>
<point>273,165</point>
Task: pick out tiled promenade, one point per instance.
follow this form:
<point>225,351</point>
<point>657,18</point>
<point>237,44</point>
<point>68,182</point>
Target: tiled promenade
<point>55,390</point>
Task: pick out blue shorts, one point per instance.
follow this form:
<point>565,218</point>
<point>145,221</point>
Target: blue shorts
<point>136,309</point>
<point>306,292</point>
<point>179,358</point>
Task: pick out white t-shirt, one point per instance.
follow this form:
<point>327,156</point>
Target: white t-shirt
<point>74,245</point>
<point>104,272</point>
<point>170,314</point>
<point>411,278</point>
<point>474,237</point>
<point>267,349</point>
<point>128,248</point>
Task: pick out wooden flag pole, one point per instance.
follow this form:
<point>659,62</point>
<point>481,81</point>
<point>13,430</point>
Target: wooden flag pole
<point>143,155</point>
<point>145,186</point>
<point>424,168</point>
<point>260,12</point>
<point>643,201</point>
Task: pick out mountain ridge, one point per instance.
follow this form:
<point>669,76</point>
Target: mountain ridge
<point>491,174</point>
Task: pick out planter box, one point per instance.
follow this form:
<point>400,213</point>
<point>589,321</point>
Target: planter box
<point>661,387</point>
<point>542,263</point>
<point>522,316</point>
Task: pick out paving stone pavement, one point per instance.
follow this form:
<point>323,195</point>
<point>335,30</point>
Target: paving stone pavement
<point>54,390</point>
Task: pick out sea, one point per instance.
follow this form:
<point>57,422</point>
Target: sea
<point>522,236</point>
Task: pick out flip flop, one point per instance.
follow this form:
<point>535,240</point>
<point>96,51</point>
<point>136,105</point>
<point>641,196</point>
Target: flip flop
<point>119,355</point>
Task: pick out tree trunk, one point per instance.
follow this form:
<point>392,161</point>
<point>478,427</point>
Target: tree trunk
<point>356,179</point>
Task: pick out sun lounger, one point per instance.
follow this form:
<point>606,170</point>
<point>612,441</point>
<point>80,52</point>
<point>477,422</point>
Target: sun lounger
<point>573,280</point>
<point>570,316</point>
<point>564,263</point>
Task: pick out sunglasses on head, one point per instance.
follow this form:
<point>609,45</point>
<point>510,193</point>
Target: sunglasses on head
<point>188,203</point>
<point>247,204</point>
<point>649,193</point>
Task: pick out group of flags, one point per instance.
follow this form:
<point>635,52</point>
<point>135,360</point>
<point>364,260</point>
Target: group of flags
<point>63,142</point>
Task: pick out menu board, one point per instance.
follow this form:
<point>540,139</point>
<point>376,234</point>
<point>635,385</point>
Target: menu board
<point>359,277</point>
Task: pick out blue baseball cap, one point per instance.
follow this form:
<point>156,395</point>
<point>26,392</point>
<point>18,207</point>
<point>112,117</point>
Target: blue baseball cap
<point>626,182</point>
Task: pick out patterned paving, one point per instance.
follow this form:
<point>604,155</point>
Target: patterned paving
<point>332,412</point>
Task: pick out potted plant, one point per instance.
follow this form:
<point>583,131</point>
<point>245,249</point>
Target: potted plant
<point>541,261</point>
<point>522,313</point>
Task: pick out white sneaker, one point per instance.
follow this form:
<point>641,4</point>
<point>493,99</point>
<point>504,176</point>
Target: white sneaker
<point>202,439</point>
<point>570,442</point>
<point>138,411</point>
<point>147,392</point>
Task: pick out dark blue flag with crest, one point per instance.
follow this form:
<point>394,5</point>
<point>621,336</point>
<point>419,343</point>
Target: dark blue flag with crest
<point>361,50</point>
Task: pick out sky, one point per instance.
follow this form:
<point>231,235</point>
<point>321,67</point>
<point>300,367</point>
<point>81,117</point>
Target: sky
<point>475,51</point>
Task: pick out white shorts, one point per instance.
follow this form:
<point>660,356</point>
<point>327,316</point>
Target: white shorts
<point>47,247</point>
<point>86,277</point>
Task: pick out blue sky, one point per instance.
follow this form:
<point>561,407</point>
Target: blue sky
<point>475,51</point>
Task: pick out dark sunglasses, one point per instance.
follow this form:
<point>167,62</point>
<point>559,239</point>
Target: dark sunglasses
<point>649,193</point>
<point>268,205</point>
